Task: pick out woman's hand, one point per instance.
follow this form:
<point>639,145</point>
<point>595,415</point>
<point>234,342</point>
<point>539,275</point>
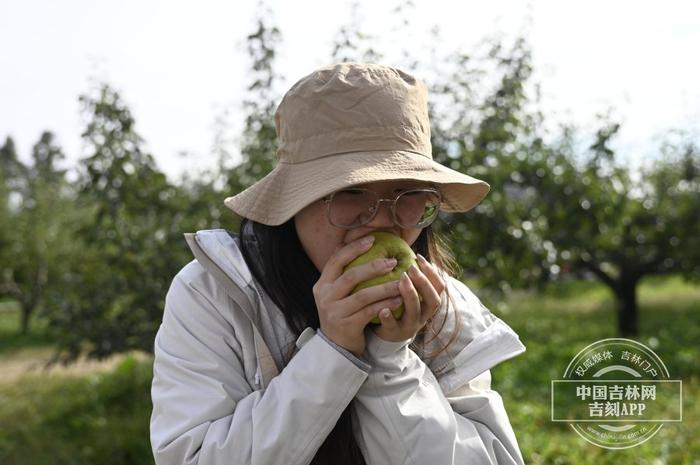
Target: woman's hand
<point>424,281</point>
<point>343,315</point>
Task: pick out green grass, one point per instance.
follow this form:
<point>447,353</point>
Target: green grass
<point>103,418</point>
<point>99,419</point>
<point>10,338</point>
<point>555,326</point>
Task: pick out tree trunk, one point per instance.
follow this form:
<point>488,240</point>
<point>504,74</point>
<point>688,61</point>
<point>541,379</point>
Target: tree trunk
<point>27,310</point>
<point>30,302</point>
<point>627,315</point>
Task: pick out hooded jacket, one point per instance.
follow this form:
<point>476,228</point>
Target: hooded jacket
<point>222,393</point>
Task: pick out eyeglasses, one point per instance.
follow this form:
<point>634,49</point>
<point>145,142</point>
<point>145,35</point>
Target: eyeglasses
<point>410,209</point>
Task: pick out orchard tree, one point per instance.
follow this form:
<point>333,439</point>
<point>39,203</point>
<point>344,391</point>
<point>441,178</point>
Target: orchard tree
<point>621,230</point>
<point>258,143</point>
<point>38,234</point>
<point>10,169</point>
<point>555,209</point>
<point>130,239</point>
<point>488,135</point>
<point>352,44</point>
<point>12,179</point>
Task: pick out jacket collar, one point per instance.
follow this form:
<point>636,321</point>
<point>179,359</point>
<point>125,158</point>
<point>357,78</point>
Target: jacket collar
<point>222,247</point>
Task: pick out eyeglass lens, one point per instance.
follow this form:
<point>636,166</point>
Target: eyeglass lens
<point>355,207</point>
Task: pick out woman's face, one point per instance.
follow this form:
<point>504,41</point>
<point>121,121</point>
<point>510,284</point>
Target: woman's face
<point>320,238</point>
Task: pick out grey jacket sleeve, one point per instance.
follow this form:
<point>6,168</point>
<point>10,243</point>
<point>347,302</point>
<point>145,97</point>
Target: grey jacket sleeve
<point>204,409</point>
<point>362,364</point>
<point>403,417</point>
<point>406,415</point>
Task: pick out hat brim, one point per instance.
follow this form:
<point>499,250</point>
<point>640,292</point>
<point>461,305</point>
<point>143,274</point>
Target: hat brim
<point>288,188</point>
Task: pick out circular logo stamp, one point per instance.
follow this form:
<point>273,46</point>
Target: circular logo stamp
<point>616,393</point>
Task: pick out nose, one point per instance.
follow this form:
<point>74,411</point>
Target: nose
<point>383,218</point>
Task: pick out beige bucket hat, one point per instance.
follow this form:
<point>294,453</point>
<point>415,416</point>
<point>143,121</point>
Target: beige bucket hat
<point>348,124</point>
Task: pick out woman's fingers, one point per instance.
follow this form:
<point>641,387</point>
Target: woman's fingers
<point>343,255</point>
<point>431,273</point>
<point>411,301</point>
<point>371,311</point>
<point>417,309</point>
<point>431,297</point>
<point>371,295</point>
<point>344,281</point>
<point>389,323</point>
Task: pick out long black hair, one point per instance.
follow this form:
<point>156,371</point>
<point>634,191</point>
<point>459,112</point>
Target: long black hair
<point>279,263</point>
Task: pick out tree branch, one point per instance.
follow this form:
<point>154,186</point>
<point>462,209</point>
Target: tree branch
<point>600,274</point>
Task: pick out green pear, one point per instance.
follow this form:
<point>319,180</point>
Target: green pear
<point>385,245</point>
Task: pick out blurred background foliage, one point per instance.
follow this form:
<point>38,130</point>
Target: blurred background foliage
<point>559,247</point>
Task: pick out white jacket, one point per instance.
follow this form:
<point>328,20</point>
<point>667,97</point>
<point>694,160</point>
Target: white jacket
<point>222,395</point>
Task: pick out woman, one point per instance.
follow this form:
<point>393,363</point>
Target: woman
<point>265,356</point>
